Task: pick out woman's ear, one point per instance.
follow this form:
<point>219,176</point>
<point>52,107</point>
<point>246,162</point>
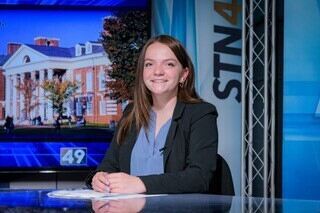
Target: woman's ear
<point>184,75</point>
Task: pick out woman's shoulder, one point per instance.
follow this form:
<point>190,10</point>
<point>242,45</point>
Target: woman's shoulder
<point>201,107</point>
<point>196,111</point>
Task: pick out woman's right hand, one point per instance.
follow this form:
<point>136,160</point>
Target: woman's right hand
<point>100,182</point>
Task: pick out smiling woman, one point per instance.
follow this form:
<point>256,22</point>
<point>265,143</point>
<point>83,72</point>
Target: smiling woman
<point>162,72</point>
<point>166,141</point>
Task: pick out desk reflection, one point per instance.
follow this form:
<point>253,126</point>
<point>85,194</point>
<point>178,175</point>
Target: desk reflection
<point>121,206</point>
<point>168,203</point>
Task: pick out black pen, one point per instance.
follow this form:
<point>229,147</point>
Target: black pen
<point>162,149</point>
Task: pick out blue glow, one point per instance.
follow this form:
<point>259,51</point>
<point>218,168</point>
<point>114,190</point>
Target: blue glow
<point>96,3</point>
<point>70,26</point>
<point>46,155</point>
<point>301,122</point>
<point>27,200</point>
<point>19,198</point>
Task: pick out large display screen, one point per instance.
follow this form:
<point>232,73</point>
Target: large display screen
<point>43,46</point>
<point>301,133</point>
<point>85,3</point>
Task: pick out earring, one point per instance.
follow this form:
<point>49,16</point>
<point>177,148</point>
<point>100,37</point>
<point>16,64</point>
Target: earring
<point>181,84</point>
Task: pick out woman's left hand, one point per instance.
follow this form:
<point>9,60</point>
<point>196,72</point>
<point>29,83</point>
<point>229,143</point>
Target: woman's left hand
<point>123,183</point>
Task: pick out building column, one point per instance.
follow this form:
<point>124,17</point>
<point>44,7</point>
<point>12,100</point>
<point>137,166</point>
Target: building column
<point>14,101</point>
<point>50,113</point>
<point>34,112</point>
<point>42,99</point>
<point>22,112</point>
<point>8,99</point>
<point>69,75</point>
<point>70,102</point>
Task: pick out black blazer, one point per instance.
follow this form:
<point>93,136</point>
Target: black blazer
<point>189,155</point>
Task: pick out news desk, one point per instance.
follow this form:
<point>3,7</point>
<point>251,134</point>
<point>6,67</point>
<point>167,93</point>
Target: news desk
<point>38,201</point>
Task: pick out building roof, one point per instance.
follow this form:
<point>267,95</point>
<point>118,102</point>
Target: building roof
<point>61,51</point>
<point>95,42</point>
<point>97,49</point>
<point>53,51</point>
<point>3,59</point>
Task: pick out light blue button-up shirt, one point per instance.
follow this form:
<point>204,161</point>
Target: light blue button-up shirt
<point>147,153</point>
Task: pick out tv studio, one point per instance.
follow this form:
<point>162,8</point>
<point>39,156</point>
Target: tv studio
<point>159,106</point>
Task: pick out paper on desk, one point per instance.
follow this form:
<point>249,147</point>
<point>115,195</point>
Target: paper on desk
<point>79,194</point>
<point>128,196</point>
<point>91,194</point>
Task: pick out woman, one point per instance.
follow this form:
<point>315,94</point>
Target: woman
<point>166,141</point>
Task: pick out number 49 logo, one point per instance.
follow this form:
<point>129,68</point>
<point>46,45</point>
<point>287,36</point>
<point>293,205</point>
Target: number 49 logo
<point>73,156</point>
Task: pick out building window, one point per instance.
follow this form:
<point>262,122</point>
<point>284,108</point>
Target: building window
<point>89,106</point>
<point>88,48</point>
<point>78,107</point>
<point>80,49</point>
<point>103,107</point>
<point>89,81</point>
<point>26,59</point>
<point>83,106</point>
<point>78,80</point>
<point>108,107</point>
<point>102,81</point>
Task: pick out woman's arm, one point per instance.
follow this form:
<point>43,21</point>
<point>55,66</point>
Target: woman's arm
<point>110,162</point>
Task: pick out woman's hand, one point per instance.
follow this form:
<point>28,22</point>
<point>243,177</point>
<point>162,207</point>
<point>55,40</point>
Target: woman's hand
<point>100,182</point>
<point>100,206</point>
<point>124,183</point>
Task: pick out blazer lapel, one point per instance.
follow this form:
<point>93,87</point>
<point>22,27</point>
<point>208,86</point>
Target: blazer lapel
<point>127,149</point>
<point>177,113</point>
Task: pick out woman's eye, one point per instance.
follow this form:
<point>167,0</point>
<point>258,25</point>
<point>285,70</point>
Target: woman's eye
<point>147,64</point>
<point>171,64</point>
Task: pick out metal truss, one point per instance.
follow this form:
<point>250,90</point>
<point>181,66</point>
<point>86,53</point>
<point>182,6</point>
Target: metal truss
<point>258,99</point>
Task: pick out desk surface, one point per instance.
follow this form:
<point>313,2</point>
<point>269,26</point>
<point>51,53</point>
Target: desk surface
<point>38,201</point>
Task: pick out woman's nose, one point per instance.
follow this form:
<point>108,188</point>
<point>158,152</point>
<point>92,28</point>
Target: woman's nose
<point>158,70</point>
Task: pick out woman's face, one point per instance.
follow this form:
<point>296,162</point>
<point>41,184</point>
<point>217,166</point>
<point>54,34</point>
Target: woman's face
<point>162,71</point>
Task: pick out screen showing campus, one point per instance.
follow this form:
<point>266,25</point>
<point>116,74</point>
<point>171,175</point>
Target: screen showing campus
<point>56,110</point>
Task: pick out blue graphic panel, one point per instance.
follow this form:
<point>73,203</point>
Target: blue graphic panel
<point>46,155</point>
<point>301,120</point>
<point>34,200</point>
<point>95,3</point>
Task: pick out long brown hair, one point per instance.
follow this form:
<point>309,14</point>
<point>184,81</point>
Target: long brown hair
<point>142,100</point>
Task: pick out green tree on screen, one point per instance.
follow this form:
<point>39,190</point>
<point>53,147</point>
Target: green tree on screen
<point>27,87</point>
<point>123,37</point>
<point>59,92</point>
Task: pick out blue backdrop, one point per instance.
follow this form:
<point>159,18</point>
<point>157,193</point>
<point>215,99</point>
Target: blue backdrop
<point>301,133</point>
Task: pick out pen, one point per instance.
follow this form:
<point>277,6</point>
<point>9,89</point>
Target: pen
<point>162,149</point>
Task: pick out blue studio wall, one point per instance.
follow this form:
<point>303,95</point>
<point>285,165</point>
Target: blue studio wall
<point>176,18</point>
<point>301,120</point>
<point>201,26</point>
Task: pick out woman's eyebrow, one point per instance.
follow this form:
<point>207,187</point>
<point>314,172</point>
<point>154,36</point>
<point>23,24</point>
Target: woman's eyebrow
<point>167,59</point>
